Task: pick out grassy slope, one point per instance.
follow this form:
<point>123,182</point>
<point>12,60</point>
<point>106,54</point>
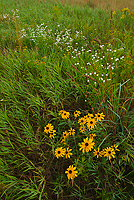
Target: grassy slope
<point>35,86</point>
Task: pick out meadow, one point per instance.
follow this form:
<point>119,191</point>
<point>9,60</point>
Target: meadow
<point>66,100</point>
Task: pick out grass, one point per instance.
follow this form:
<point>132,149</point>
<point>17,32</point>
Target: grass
<point>54,57</point>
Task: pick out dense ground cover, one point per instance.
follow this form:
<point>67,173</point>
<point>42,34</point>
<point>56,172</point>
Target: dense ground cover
<point>66,95</point>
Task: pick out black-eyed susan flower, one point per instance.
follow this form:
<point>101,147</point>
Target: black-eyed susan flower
<point>92,135</point>
<point>61,112</point>
<point>59,152</point>
<point>82,129</point>
<point>115,147</point>
<point>77,113</point>
<point>91,123</point>
<point>109,152</point>
<point>82,121</point>
<point>65,134</point>
<point>48,128</point>
<point>68,153</point>
<point>98,153</point>
<point>52,134</point>
<point>71,131</point>
<point>65,115</point>
<point>87,145</point>
<point>71,173</point>
<point>89,117</point>
<point>99,116</point>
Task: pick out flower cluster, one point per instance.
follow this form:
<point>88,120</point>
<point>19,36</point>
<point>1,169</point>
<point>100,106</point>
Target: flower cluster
<point>49,128</point>
<point>64,114</point>
<point>60,152</point>
<point>108,152</point>
<point>126,11</point>
<point>81,125</point>
<point>89,121</point>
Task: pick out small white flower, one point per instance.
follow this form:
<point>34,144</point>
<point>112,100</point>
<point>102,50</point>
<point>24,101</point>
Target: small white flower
<point>116,59</point>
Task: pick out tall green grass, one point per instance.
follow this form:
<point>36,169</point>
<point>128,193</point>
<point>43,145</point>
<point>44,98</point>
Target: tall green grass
<point>56,56</point>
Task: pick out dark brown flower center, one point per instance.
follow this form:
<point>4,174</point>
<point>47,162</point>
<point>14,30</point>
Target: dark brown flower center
<point>59,152</point>
<point>86,144</point>
<point>109,152</point>
<point>47,128</point>
<point>70,171</point>
<point>91,122</point>
<point>97,153</point>
<point>98,115</point>
<point>66,152</point>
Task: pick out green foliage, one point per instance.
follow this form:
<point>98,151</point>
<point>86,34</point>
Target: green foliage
<point>57,56</point>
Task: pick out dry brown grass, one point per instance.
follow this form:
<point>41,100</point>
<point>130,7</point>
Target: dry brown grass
<point>75,1</point>
<point>105,4</point>
<point>114,4</point>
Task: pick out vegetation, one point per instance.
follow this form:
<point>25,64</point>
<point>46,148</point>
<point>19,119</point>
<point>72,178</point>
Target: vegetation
<point>66,96</point>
